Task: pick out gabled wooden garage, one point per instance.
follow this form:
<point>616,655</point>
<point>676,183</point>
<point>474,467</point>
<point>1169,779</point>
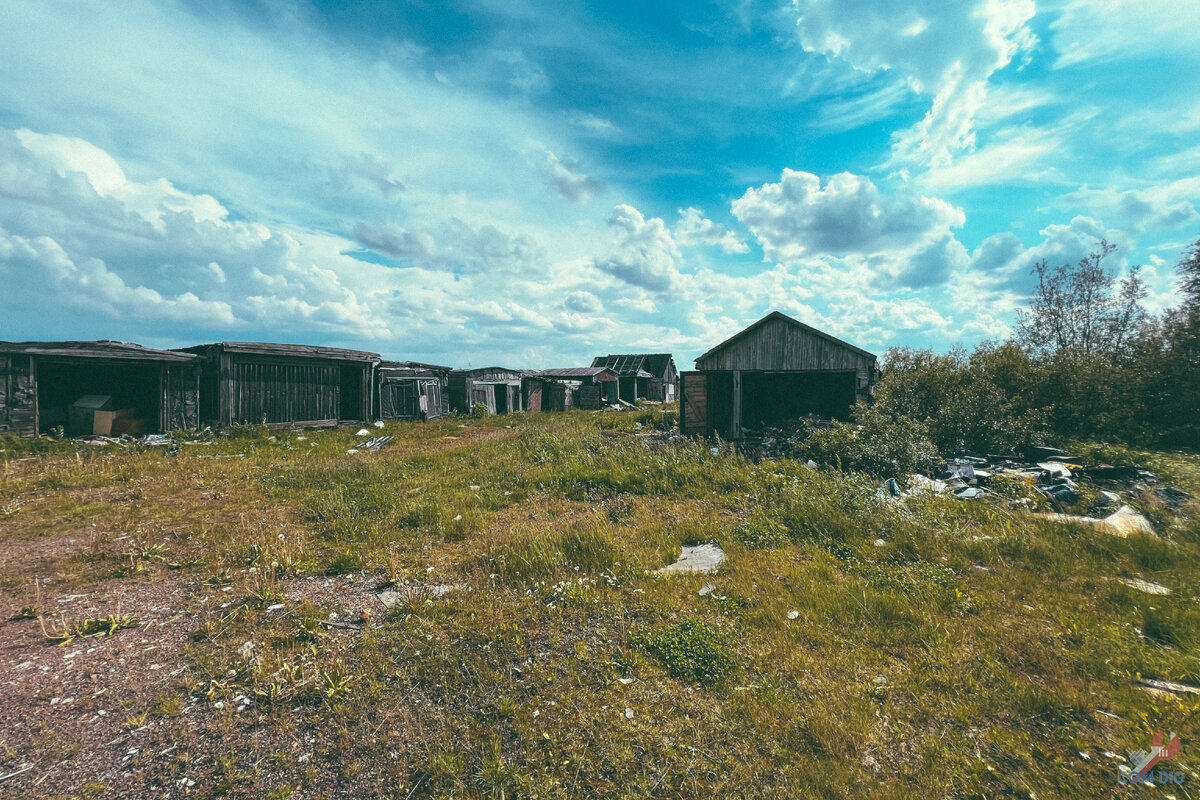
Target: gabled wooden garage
<point>649,375</point>
<point>775,370</point>
<point>277,384</point>
<point>154,390</point>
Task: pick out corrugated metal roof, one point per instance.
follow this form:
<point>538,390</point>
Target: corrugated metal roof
<point>125,351</point>
<point>626,365</point>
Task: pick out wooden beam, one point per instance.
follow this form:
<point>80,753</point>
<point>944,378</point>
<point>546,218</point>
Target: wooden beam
<point>735,427</point>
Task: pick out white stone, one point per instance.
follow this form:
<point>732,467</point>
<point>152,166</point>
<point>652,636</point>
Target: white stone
<point>696,558</point>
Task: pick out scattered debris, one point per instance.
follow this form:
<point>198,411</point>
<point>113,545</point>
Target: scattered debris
<point>372,444</point>
<point>707,589</point>
<point>696,558</point>
<point>155,440</point>
<point>1172,496</point>
<point>363,432</point>
<point>397,595</point>
<point>1149,587</point>
<point>920,484</point>
<point>793,614</point>
<point>1126,520</point>
<point>1168,686</point>
<point>1122,522</point>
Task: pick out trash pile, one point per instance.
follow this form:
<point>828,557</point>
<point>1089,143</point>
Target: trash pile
<point>774,441</point>
<point>371,444</point>
<point>1052,473</point>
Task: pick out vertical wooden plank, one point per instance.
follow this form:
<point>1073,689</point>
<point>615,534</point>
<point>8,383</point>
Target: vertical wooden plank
<point>735,427</point>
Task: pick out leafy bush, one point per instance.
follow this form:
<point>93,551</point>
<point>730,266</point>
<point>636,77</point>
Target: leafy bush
<point>879,444</point>
<point>479,410</point>
<point>983,402</point>
<point>690,649</point>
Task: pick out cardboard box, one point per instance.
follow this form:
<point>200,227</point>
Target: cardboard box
<point>102,422</point>
<point>129,426</point>
<point>81,413</point>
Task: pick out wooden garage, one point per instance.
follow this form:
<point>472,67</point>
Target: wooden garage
<point>278,384</point>
<point>642,375</point>
<point>577,387</point>
<point>412,390</point>
<point>141,390</point>
<point>775,370</point>
<point>497,388</point>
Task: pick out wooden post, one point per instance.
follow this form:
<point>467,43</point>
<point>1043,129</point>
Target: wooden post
<point>735,427</point>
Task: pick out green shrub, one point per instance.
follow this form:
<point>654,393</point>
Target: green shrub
<point>879,444</point>
<point>690,649</point>
<point>983,402</point>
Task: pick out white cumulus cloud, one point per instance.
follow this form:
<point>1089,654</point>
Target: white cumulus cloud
<point>645,254</point>
<point>948,50</point>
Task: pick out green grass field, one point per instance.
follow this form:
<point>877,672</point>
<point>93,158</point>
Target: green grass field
<point>938,649</point>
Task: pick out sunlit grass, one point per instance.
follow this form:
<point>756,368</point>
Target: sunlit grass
<point>848,647</point>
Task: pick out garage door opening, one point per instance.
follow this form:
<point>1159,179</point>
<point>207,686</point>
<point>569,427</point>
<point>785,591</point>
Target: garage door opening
<point>130,386</point>
<point>351,394</point>
<point>772,398</point>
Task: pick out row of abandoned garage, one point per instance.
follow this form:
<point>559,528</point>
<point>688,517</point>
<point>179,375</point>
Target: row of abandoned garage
<point>777,368</point>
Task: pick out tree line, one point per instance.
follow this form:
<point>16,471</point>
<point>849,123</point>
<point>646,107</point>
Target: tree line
<point>1086,361</point>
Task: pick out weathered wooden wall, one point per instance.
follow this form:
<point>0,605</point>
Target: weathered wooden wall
<point>693,403</point>
<point>180,406</point>
<point>590,397</point>
<point>412,397</point>
<point>470,386</point>
<point>18,396</point>
<point>272,391</point>
<point>780,346</point>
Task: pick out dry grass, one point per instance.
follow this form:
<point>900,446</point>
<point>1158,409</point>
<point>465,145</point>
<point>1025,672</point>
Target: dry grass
<point>976,653</point>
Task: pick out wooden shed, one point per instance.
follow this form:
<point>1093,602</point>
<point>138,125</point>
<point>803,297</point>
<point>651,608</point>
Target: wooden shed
<point>498,388</point>
<point>279,384</point>
<point>775,370</point>
<point>578,387</point>
<point>152,390</point>
<point>649,375</point>
<point>412,390</point>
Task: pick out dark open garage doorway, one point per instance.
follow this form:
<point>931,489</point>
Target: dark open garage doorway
<point>133,387</point>
<point>769,398</point>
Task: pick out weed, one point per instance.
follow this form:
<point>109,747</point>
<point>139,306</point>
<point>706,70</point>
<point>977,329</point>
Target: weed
<point>336,682</point>
<point>690,649</point>
<point>82,629</point>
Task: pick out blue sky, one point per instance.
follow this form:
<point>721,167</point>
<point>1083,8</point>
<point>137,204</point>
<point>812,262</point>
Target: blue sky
<point>499,181</point>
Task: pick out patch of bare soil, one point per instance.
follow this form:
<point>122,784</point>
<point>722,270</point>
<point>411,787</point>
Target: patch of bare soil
<point>31,557</point>
<point>72,715</point>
